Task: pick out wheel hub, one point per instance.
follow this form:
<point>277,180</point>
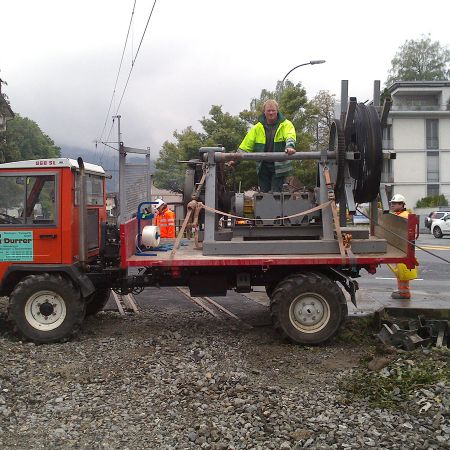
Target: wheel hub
<point>309,313</point>
<point>45,310</point>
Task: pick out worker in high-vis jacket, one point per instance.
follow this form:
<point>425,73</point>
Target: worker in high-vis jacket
<point>402,273</point>
<point>164,219</point>
<point>272,133</point>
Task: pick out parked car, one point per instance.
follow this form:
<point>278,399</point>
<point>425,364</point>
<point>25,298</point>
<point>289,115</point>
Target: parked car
<point>441,226</point>
<point>434,215</point>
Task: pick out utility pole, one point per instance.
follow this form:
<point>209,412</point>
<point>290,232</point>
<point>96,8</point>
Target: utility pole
<point>122,154</point>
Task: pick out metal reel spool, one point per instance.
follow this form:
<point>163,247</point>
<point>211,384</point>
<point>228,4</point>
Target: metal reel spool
<point>366,138</point>
<point>337,143</point>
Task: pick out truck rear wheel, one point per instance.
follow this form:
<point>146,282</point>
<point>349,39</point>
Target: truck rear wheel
<point>308,308</point>
<point>46,308</point>
<point>97,301</point>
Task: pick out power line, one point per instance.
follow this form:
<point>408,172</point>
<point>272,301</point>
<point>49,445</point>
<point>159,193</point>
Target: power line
<point>118,72</point>
<point>135,57</point>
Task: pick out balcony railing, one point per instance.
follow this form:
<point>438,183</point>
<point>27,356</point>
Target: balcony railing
<point>420,108</point>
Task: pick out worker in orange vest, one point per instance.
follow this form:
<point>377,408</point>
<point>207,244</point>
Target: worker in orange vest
<point>402,273</point>
<point>164,219</point>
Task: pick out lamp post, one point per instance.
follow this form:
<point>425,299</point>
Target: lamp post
<point>314,61</point>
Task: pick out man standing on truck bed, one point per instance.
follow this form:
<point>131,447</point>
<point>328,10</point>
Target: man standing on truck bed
<point>272,133</point>
<point>164,219</point>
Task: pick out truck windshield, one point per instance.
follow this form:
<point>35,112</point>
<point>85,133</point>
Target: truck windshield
<point>27,199</point>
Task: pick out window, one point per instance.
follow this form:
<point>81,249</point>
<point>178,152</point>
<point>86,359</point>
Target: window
<point>94,190</point>
<point>387,137</point>
<point>27,199</point>
<point>432,167</point>
<point>432,133</point>
<point>432,189</point>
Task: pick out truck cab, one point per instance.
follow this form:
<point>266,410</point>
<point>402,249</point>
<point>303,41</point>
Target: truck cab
<point>40,228</point>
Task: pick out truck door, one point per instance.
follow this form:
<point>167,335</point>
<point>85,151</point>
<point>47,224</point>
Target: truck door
<point>30,218</point>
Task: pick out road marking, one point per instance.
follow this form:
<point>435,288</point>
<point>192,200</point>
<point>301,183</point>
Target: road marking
<point>393,278</point>
<point>434,247</point>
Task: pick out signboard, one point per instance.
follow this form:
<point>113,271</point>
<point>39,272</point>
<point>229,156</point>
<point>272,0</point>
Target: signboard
<point>16,246</point>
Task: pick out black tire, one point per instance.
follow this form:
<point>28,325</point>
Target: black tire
<point>29,306</point>
<point>270,288</point>
<point>291,311</point>
<point>437,232</point>
<point>97,301</point>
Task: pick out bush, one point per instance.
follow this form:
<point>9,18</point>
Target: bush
<point>432,201</point>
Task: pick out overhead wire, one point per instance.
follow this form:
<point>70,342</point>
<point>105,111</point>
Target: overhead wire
<point>133,62</point>
<point>117,79</point>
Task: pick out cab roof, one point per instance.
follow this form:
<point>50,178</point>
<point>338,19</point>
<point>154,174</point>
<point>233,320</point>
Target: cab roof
<point>53,163</point>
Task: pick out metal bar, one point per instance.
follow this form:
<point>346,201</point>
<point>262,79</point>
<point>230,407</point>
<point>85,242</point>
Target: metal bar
<point>344,97</point>
<point>385,111</point>
<point>140,151</point>
<point>118,303</point>
<point>276,156</point>
<point>280,247</point>
<point>349,119</point>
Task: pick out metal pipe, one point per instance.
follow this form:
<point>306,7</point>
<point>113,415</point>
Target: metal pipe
<point>82,215</point>
<point>273,156</point>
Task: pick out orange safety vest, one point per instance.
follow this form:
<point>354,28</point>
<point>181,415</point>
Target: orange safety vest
<point>166,223</point>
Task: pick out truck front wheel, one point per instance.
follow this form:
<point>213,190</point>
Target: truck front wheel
<point>46,308</point>
<point>97,301</point>
<point>308,308</point>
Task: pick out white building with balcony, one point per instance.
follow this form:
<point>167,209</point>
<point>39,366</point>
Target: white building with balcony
<point>418,130</point>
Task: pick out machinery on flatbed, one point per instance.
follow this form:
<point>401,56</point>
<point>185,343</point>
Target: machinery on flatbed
<point>59,258</point>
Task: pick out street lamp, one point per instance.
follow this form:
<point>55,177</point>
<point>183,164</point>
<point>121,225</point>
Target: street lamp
<point>314,61</point>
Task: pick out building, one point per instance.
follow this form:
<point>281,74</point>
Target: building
<point>418,130</point>
<point>6,112</point>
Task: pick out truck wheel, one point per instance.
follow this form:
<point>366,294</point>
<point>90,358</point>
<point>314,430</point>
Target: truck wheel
<point>308,308</point>
<point>46,308</point>
<point>270,288</point>
<point>437,232</point>
<point>97,301</point>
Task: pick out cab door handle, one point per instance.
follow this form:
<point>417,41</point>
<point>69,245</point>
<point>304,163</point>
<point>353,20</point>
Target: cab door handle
<point>47,236</point>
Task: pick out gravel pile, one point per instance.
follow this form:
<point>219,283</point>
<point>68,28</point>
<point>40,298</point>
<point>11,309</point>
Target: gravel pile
<point>180,381</point>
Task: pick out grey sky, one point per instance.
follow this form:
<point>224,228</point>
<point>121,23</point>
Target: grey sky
<point>60,57</point>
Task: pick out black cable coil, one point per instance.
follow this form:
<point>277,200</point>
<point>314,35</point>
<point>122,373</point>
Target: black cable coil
<point>367,140</point>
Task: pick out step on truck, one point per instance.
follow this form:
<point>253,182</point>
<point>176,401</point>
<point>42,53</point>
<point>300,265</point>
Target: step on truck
<point>60,258</point>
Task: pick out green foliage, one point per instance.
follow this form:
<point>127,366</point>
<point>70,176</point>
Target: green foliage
<point>169,173</point>
<point>420,59</point>
<point>222,128</point>
<point>23,139</point>
<point>432,201</point>
<point>398,382</point>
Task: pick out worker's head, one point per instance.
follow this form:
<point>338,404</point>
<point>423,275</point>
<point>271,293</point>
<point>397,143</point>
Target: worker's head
<point>160,204</point>
<point>271,111</point>
<point>398,203</point>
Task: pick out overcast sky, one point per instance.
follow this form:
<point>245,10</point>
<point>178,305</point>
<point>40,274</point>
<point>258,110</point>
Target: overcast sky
<point>61,57</point>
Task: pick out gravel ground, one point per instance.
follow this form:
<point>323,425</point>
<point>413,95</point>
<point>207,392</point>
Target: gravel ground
<point>187,380</point>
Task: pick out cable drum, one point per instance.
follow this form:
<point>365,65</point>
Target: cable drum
<point>150,236</point>
<point>367,140</point>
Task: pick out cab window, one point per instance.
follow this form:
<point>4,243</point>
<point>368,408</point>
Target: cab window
<point>94,190</point>
<point>27,199</point>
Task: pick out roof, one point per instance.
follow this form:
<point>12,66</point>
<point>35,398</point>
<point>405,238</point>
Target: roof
<point>53,163</point>
<point>419,84</point>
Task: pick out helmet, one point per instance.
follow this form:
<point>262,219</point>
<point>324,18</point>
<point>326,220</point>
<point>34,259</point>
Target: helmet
<point>159,202</point>
<point>397,198</point>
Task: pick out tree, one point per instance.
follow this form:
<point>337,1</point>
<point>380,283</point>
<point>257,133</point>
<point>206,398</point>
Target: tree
<point>420,59</point>
<point>169,172</point>
<point>23,139</point>
<point>432,201</point>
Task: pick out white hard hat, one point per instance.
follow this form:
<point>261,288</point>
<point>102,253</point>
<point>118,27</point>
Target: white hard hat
<point>398,198</point>
<point>159,203</point>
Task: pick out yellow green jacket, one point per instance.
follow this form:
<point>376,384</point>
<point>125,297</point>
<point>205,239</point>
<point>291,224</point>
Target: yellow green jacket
<point>255,141</point>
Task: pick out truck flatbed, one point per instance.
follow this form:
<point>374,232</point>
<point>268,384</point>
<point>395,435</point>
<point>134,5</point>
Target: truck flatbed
<point>188,256</point>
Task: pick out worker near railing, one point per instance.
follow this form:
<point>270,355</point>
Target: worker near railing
<point>164,219</point>
<point>272,133</point>
<point>402,273</point>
